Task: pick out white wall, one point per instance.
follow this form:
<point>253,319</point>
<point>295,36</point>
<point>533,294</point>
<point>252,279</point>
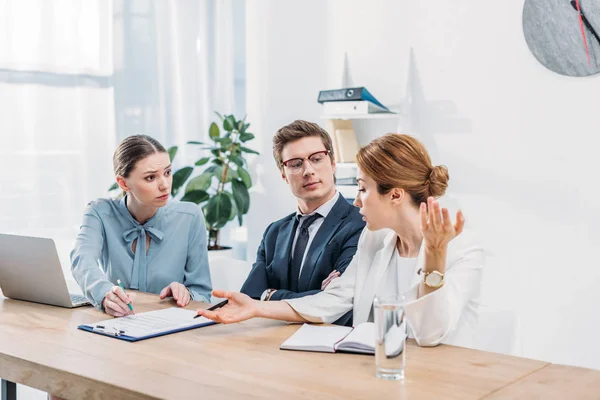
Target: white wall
<point>519,140</point>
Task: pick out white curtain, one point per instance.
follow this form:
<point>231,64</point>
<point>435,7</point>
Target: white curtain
<point>174,66</point>
<point>77,76</point>
<point>57,124</point>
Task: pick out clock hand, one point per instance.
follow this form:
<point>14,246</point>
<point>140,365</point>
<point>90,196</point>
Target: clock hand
<point>586,22</point>
<point>576,6</point>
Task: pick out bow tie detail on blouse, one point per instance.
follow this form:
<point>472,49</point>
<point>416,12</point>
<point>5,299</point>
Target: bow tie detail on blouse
<point>138,275</point>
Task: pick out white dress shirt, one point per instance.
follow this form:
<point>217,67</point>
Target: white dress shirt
<point>314,227</point>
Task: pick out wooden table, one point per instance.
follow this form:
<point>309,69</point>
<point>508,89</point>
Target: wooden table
<point>41,347</point>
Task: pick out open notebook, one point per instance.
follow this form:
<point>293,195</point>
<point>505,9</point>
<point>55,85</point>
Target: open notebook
<point>331,339</point>
<point>148,325</point>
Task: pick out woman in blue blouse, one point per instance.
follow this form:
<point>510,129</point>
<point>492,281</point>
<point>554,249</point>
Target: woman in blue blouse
<point>148,242</point>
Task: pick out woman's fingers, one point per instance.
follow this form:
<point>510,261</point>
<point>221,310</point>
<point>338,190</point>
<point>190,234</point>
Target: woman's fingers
<point>423,212</point>
<point>222,294</point>
<point>208,314</point>
<point>460,222</point>
<point>165,292</point>
<point>121,295</point>
<point>185,297</point>
<point>447,222</point>
<point>176,289</point>
<point>116,309</point>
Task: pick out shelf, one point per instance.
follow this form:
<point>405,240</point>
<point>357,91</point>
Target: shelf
<point>363,116</point>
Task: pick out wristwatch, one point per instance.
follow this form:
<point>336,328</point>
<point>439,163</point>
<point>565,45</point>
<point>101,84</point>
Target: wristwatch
<point>433,279</point>
<point>266,295</point>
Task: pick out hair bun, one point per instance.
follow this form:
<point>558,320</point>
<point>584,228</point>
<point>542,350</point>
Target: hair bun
<point>438,181</point>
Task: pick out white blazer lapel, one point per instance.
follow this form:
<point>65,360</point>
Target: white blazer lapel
<point>379,264</point>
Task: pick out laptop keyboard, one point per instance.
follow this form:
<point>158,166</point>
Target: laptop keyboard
<point>77,299</point>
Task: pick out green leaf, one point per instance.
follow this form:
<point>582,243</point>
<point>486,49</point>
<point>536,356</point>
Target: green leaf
<point>216,152</point>
<point>218,172</point>
<point>213,131</point>
<point>179,179</point>
<point>229,123</point>
<point>241,197</point>
<point>211,169</point>
<point>200,182</point>
<point>239,161</point>
<point>172,151</point>
<point>231,174</point>
<point>195,142</point>
<point>244,137</point>
<point>247,150</point>
<point>240,126</point>
<point>233,212</point>
<point>114,186</point>
<point>202,161</point>
<point>195,196</point>
<point>217,161</point>
<point>220,116</point>
<point>245,177</point>
<point>218,210</point>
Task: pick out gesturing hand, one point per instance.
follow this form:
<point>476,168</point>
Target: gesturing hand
<point>179,292</point>
<point>239,308</point>
<point>436,225</point>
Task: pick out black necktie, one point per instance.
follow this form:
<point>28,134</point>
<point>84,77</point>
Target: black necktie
<point>301,243</point>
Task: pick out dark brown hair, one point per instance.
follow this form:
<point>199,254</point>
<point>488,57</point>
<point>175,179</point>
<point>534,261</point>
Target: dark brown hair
<point>131,150</point>
<point>295,131</point>
<point>401,161</point>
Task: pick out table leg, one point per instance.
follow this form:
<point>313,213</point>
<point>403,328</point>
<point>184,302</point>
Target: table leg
<point>9,390</point>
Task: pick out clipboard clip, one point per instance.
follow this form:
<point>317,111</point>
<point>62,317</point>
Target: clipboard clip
<point>102,329</point>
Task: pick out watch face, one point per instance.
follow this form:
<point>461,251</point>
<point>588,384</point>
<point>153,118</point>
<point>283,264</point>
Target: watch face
<point>433,280</point>
<point>564,35</point>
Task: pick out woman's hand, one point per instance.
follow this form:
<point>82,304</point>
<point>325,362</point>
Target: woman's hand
<point>115,302</point>
<point>437,227</point>
<point>239,308</point>
<point>334,274</point>
<point>179,292</point>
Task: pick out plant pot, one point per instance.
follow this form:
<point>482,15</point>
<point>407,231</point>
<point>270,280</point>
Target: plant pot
<point>227,252</point>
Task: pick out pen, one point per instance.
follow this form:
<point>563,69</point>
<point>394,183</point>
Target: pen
<point>218,305</point>
<point>129,304</point>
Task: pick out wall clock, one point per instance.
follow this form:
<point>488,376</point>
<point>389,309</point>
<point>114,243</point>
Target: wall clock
<point>564,35</point>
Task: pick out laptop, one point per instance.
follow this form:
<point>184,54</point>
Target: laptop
<point>30,270</point>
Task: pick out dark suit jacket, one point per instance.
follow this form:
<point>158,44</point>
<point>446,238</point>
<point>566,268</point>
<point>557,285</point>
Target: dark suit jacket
<point>332,249</point>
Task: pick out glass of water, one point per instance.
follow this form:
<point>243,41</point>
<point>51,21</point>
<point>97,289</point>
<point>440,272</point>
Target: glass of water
<point>390,337</point>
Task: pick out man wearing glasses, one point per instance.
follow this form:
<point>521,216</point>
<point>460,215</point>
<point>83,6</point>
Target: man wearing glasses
<point>301,254</point>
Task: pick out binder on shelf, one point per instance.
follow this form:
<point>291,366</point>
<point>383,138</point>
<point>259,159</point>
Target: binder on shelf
<point>348,94</point>
<point>354,107</point>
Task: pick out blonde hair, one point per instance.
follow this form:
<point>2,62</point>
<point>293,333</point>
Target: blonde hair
<point>401,161</point>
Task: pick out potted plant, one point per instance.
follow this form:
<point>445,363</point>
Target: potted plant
<point>221,189</point>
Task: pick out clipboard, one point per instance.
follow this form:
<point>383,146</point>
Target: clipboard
<point>107,328</point>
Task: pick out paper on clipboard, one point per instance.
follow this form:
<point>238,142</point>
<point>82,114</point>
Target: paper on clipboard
<point>150,324</point>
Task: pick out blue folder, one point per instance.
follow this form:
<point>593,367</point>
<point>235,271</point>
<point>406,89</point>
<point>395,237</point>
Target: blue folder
<point>124,336</point>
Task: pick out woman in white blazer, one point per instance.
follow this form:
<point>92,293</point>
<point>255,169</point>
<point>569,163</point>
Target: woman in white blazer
<point>409,246</point>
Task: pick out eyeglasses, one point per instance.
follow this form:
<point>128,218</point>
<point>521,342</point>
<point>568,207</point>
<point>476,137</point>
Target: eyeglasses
<point>295,165</point>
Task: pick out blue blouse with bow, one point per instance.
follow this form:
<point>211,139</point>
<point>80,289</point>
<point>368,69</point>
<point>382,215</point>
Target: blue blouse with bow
<point>177,253</point>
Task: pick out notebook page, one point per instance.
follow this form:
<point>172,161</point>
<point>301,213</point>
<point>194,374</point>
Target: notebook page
<point>361,339</point>
<point>316,338</point>
<point>152,322</point>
